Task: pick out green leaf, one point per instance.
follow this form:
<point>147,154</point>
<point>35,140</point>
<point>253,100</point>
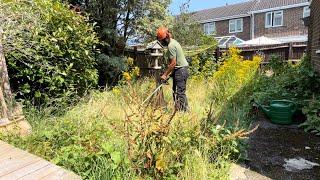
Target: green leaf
<point>107,147</point>
<point>70,28</point>
<point>116,157</point>
<point>37,94</point>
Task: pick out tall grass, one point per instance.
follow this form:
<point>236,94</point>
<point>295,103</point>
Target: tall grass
<point>111,136</point>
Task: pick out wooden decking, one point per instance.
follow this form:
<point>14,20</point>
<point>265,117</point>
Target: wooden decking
<point>19,164</point>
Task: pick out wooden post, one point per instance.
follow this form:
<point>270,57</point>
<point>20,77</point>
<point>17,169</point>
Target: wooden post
<point>290,51</point>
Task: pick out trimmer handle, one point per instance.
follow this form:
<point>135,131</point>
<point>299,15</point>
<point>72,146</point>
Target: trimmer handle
<point>164,81</point>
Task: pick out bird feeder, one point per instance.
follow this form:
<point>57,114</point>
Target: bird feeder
<point>155,56</point>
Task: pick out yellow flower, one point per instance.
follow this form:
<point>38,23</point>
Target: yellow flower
<point>116,91</point>
<point>127,76</point>
<point>130,61</point>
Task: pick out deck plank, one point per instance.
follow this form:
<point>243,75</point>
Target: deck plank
<point>26,170</point>
<point>19,164</point>
<point>14,164</point>
<point>41,173</point>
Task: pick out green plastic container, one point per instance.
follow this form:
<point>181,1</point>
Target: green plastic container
<point>280,111</point>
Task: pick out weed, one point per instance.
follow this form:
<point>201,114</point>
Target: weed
<point>312,111</point>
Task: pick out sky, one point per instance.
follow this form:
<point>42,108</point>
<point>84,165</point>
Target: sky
<point>200,4</point>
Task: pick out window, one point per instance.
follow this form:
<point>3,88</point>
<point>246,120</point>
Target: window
<point>278,18</point>
<point>269,19</point>
<point>235,25</point>
<point>274,19</point>
<point>306,11</point>
<point>209,28</point>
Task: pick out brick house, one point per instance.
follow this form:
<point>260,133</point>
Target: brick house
<point>280,19</point>
<point>227,20</point>
<point>314,34</point>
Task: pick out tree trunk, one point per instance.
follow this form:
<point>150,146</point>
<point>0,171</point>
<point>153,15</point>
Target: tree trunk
<point>5,76</point>
<point>127,19</point>
<point>6,95</point>
<point>4,109</point>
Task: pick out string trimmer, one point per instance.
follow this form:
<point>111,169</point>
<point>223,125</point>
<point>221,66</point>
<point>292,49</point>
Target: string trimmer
<point>163,82</point>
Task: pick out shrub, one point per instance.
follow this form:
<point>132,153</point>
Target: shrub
<point>312,111</point>
<point>276,64</point>
<point>49,48</point>
<point>204,65</point>
<point>234,74</point>
<point>296,83</point>
<point>110,69</point>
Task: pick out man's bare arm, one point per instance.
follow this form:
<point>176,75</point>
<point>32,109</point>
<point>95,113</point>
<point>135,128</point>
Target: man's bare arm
<point>170,68</point>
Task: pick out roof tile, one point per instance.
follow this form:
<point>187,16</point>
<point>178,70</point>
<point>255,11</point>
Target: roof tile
<point>240,9</point>
<point>224,11</point>
<point>267,4</point>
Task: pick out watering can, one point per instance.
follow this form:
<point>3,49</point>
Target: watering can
<point>280,111</point>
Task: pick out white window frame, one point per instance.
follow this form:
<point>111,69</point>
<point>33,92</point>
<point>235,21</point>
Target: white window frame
<point>207,26</point>
<point>306,11</point>
<point>273,14</point>
<point>235,23</point>
<point>267,23</point>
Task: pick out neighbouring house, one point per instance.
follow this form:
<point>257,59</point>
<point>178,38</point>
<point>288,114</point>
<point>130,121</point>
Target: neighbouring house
<point>278,19</point>
<point>314,34</point>
<point>228,20</point>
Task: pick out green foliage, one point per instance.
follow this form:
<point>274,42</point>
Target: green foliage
<point>234,74</point>
<point>154,15</point>
<point>50,50</point>
<point>298,83</point>
<point>204,65</point>
<point>119,20</point>
<point>276,64</point>
<point>312,111</point>
<point>80,141</point>
<point>95,140</point>
<point>110,69</point>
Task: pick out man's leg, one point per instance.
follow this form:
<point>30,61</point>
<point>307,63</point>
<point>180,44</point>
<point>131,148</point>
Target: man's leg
<point>180,82</point>
<point>174,87</point>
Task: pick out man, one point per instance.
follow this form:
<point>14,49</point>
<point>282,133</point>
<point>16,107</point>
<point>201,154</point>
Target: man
<point>178,66</point>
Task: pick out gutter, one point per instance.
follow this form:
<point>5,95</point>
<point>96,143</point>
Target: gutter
<point>224,18</point>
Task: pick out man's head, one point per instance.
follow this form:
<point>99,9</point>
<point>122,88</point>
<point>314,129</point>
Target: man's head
<point>163,36</point>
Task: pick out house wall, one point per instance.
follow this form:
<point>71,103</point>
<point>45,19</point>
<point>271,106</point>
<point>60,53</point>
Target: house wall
<point>314,34</point>
<point>222,29</point>
<point>292,24</point>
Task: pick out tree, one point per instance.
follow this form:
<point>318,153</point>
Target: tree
<point>155,14</point>
<point>119,20</point>
<point>189,32</point>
